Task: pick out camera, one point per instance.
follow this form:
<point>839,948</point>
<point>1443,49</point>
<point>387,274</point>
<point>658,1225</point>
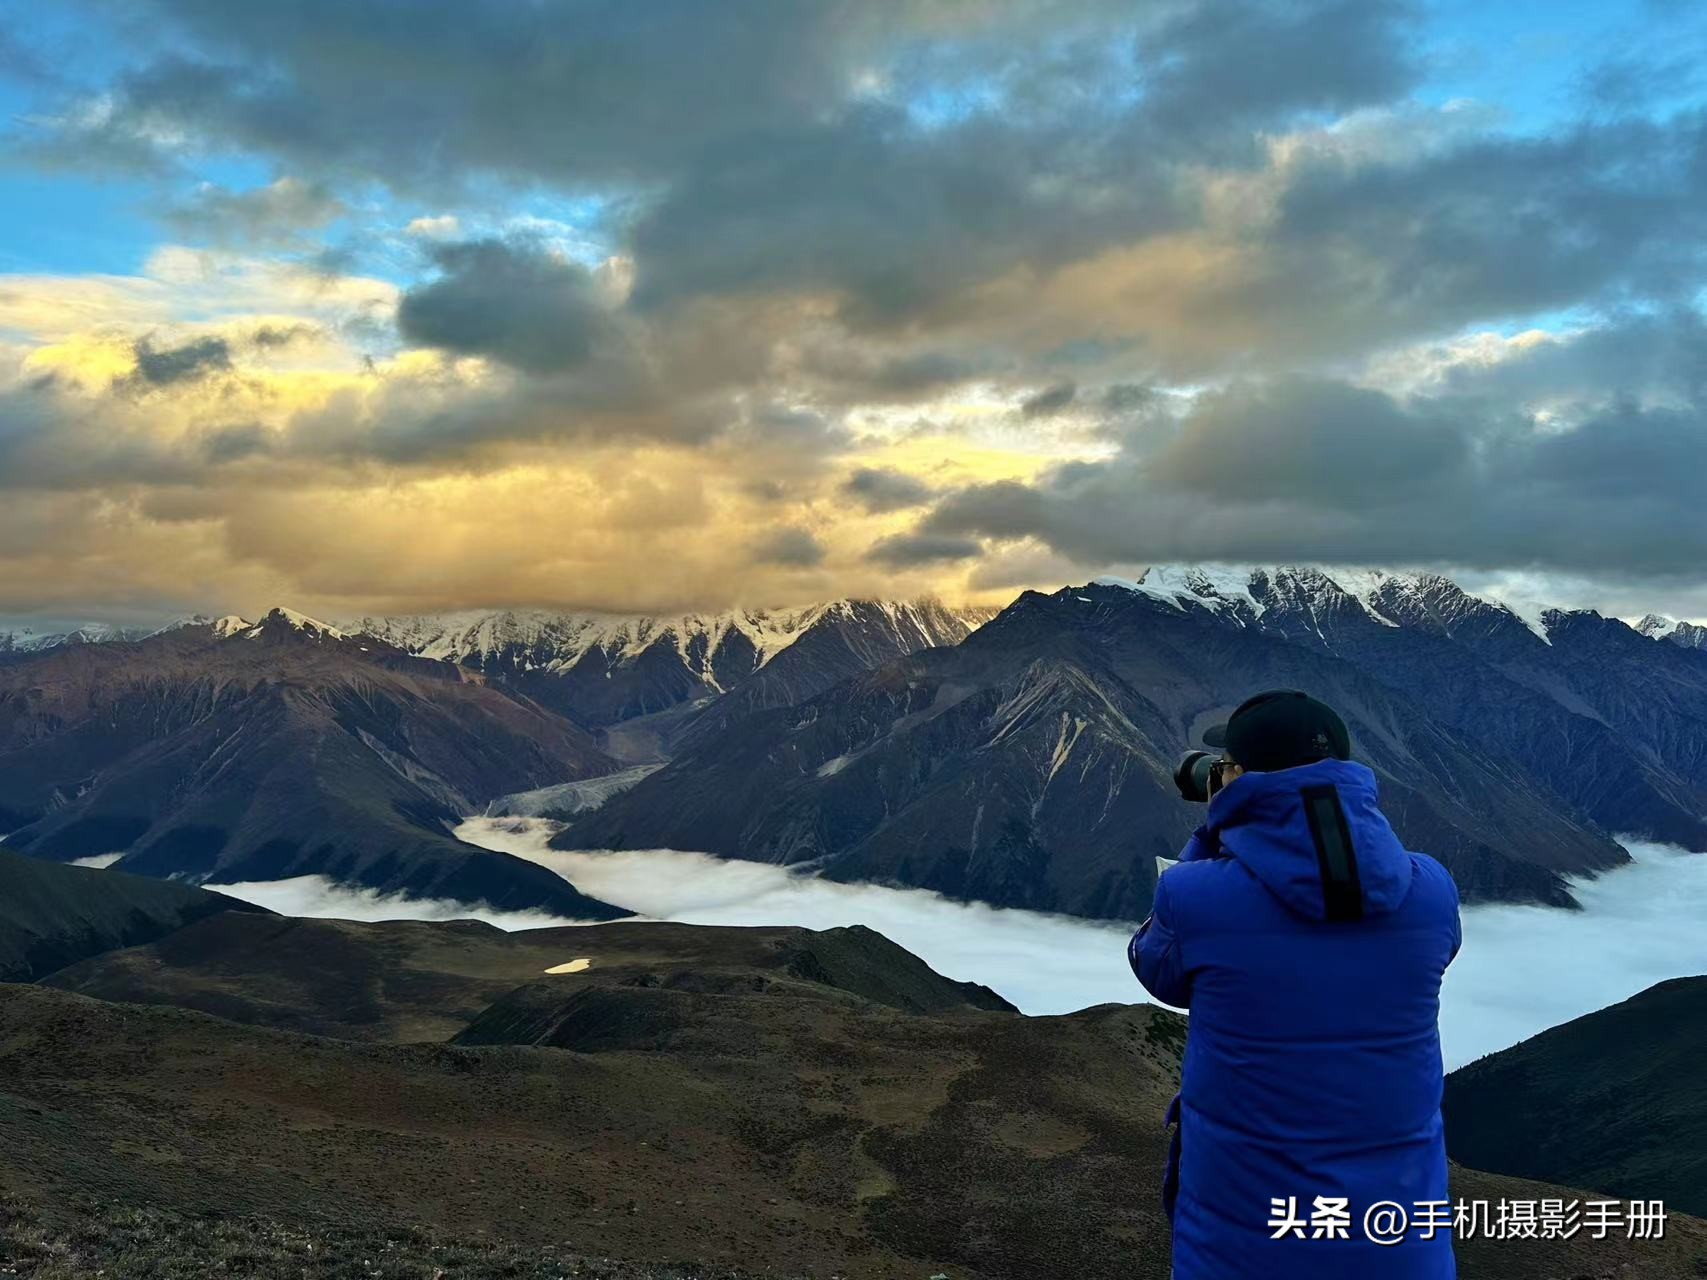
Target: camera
<point>1198,775</point>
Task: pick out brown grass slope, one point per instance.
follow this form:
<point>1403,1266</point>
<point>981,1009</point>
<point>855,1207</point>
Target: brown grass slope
<point>52,916</point>
<point>767,1100</point>
<point>1616,1099</point>
<point>404,981</point>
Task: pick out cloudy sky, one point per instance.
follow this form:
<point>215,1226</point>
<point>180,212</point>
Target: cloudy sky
<point>383,305</point>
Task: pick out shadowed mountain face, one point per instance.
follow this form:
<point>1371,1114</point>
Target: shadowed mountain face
<point>1031,765</point>
<point>228,752</point>
<point>802,1102</point>
<point>53,916</point>
<point>1614,1100</point>
<point>1613,722</point>
<point>602,671</point>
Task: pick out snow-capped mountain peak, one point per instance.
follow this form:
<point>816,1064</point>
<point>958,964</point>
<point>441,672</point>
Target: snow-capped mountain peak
<point>1656,626</point>
<point>1315,594</point>
<point>178,624</point>
<point>277,620</point>
<point>541,640</point>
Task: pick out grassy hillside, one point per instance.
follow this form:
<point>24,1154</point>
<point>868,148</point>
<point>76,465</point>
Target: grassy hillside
<point>773,1101</point>
<point>52,915</point>
<point>1616,1099</point>
<point>405,981</point>
<point>157,1244</point>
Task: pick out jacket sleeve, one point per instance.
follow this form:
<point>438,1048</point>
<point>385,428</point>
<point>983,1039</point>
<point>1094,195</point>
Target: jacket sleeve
<point>1199,845</point>
<point>1154,954</point>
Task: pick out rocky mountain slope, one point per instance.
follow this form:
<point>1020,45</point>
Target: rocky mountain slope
<point>1614,1099</point>
<point>233,751</point>
<point>1614,723</point>
<point>1030,765</point>
<point>600,670</point>
<point>22,640</point>
<point>764,1100</point>
<point>52,916</point>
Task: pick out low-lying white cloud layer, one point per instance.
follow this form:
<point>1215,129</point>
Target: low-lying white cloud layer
<point>327,899</point>
<point>1522,969</point>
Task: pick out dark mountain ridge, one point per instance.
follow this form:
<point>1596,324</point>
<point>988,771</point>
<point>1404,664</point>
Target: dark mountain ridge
<point>1615,1099</point>
<point>601,671</point>
<point>54,916</point>
<point>227,752</point>
<point>1031,765</point>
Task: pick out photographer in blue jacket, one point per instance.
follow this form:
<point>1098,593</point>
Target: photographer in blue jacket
<point>1308,945</point>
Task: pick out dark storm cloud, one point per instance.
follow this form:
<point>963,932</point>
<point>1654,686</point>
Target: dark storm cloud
<point>162,366</point>
<point>1371,249</point>
<point>270,216</point>
<point>1659,354</point>
<point>898,154</point>
<point>510,300</point>
<point>790,547</point>
<point>1097,150</point>
<point>910,550</point>
<point>1307,441</point>
<point>1049,401</point>
<point>852,371</point>
<point>1250,61</point>
<point>895,152</point>
<point>1314,470</point>
<point>235,443</point>
<point>880,489</point>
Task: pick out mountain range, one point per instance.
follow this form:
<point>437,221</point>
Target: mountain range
<point>229,751</point>
<point>601,671</point>
<point>1691,635</point>
<point>223,750</point>
<point>1030,765</point>
<point>1022,759</point>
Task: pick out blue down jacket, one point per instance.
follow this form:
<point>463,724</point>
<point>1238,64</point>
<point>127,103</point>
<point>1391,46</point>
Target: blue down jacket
<point>1308,945</point>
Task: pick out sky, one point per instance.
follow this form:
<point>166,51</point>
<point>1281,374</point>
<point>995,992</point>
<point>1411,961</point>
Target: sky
<point>1521,970</point>
<point>374,306</point>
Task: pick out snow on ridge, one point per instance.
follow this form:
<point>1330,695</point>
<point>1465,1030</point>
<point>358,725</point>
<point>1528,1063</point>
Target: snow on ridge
<point>1532,616</point>
<point>302,622</point>
<point>1222,586</point>
<point>1657,626</point>
<point>178,624</point>
<point>557,641</point>
<point>1218,587</point>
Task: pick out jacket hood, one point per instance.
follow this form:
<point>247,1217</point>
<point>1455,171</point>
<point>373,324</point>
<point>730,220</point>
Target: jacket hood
<point>1260,819</point>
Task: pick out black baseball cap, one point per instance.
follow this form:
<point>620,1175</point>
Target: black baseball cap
<point>1281,729</point>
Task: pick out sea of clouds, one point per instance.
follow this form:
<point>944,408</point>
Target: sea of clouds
<point>1522,969</point>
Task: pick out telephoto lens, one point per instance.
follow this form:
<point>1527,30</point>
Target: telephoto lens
<point>1192,775</point>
